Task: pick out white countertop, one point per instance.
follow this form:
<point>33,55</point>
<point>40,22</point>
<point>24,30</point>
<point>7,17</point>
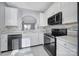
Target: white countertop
<point>70,39</point>
<point>21,32</point>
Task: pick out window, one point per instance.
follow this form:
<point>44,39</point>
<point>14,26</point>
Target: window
<point>28,26</point>
<point>28,23</point>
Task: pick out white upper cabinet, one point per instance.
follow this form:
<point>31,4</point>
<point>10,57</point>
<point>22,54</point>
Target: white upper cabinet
<point>43,21</point>
<point>10,16</point>
<point>69,12</point>
<point>54,8</point>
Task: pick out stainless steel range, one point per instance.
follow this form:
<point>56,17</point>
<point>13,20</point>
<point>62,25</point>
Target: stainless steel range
<point>50,44</point>
<point>50,40</point>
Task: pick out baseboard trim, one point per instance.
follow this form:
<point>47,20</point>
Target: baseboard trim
<point>32,46</point>
<point>22,48</point>
<point>4,51</point>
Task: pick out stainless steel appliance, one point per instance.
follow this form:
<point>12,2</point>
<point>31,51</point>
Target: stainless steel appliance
<point>14,41</point>
<point>59,32</point>
<point>50,40</point>
<point>50,44</point>
<point>55,19</point>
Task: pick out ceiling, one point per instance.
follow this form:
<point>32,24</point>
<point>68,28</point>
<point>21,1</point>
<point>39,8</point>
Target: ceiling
<point>36,6</point>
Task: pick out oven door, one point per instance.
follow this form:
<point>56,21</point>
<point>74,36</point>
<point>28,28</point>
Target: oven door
<point>48,39</point>
<point>50,45</point>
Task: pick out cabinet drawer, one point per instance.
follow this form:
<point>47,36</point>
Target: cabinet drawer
<point>61,42</point>
<point>67,45</point>
<point>62,51</point>
<point>71,47</point>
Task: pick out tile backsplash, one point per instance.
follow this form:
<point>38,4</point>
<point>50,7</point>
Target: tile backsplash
<point>70,27</point>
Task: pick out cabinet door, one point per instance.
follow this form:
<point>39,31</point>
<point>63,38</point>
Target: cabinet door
<point>41,38</point>
<point>26,40</point>
<point>4,42</point>
<point>62,51</point>
<point>65,48</point>
<point>69,12</point>
<point>60,48</point>
<point>1,18</point>
<point>10,16</point>
<point>43,21</point>
<point>34,39</point>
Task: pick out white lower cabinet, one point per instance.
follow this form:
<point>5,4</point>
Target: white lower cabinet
<point>41,38</point>
<point>26,42</point>
<point>32,39</point>
<point>63,51</point>
<point>28,39</point>
<point>65,48</point>
<point>37,39</point>
<point>4,42</point>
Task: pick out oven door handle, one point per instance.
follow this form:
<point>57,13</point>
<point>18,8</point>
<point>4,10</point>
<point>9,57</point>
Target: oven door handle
<point>49,37</point>
<point>52,39</point>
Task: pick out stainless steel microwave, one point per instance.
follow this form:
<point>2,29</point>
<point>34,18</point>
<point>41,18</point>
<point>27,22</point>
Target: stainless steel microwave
<point>55,19</point>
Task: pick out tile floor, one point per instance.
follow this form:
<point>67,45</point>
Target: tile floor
<point>30,51</point>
